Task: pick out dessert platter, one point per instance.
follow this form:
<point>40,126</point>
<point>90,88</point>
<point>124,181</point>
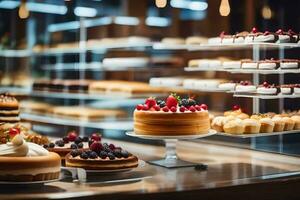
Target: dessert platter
<point>171,120</point>
<point>236,123</point>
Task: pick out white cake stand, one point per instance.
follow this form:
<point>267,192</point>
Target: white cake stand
<point>171,159</point>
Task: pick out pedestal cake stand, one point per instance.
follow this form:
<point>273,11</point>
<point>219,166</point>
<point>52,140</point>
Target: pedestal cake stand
<point>171,159</point>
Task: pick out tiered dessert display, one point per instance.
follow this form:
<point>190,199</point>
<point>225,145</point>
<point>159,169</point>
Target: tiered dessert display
<point>171,120</point>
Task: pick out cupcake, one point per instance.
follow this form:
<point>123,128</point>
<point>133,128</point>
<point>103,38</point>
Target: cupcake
<point>266,125</point>
<point>243,116</point>
<point>279,124</point>
<point>234,127</point>
<point>217,123</point>
<point>289,123</point>
<point>251,126</point>
<point>296,119</point>
<point>228,118</point>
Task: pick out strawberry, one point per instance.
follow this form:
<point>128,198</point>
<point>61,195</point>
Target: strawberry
<point>13,132</point>
<point>139,107</point>
<point>198,107</point>
<point>156,108</point>
<point>192,109</point>
<point>173,109</point>
<point>172,101</point>
<point>165,109</point>
<point>150,102</point>
<point>145,107</point>
<point>204,106</point>
<point>182,109</point>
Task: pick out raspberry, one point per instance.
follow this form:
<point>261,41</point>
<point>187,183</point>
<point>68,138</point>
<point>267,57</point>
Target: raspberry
<point>254,30</point>
<point>156,107</point>
<point>182,109</point>
<point>72,136</point>
<point>165,109</point>
<point>236,107</point>
<point>150,102</point>
<point>96,137</point>
<point>265,84</point>
<point>173,109</point>
<point>139,107</point>
<point>192,109</point>
<point>145,107</point>
<point>96,146</point>
<point>204,106</point>
<point>198,107</point>
<point>13,132</point>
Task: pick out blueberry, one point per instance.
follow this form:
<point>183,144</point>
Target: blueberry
<point>162,104</point>
<point>85,139</point>
<point>117,153</point>
<point>57,142</point>
<point>80,145</point>
<point>88,152</point>
<point>84,155</point>
<point>78,140</point>
<point>66,139</point>
<point>61,144</point>
<point>75,153</point>
<point>125,154</point>
<point>102,154</point>
<point>74,146</point>
<point>51,145</point>
<point>111,156</point>
<point>93,155</point>
<point>45,146</point>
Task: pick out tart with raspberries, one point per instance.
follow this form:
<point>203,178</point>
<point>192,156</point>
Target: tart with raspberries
<point>172,117</point>
<point>101,156</point>
<point>71,141</point>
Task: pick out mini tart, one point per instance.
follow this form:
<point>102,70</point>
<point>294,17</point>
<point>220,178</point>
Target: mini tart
<point>297,89</point>
<point>234,127</point>
<point>102,164</point>
<point>289,64</point>
<point>251,126</point>
<point>296,119</point>
<point>266,125</point>
<point>217,123</point>
<point>232,112</point>
<point>169,123</point>
<point>63,151</point>
<point>245,88</point>
<point>266,90</point>
<point>242,116</point>
<point>286,89</point>
<point>27,169</point>
<point>289,123</point>
<point>279,124</point>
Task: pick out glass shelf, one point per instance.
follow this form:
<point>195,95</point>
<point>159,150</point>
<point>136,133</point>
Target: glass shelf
<point>15,53</point>
<point>108,125</point>
<point>244,71</point>
<point>256,96</point>
<point>16,90</point>
<point>259,134</point>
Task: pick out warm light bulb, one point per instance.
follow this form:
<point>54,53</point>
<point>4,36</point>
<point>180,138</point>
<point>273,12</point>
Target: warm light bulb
<point>160,3</point>
<point>224,8</point>
<point>266,12</point>
<point>23,11</point>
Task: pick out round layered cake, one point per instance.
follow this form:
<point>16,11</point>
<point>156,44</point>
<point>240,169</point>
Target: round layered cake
<point>172,117</point>
<point>9,109</point>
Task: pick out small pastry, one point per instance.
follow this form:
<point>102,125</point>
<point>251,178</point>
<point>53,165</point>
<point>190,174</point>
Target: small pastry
<point>296,119</point>
<point>217,123</point>
<point>297,89</point>
<point>196,40</point>
<point>234,127</point>
<point>286,37</point>
<point>243,116</point>
<point>249,64</point>
<point>289,123</point>
<point>266,89</point>
<point>245,87</point>
<point>232,64</point>
<point>287,89</point>
<point>236,110</point>
<point>279,124</point>
<point>240,37</point>
<point>228,119</point>
<point>289,64</point>
<point>251,126</point>
<point>266,125</point>
<point>268,64</point>
<point>230,86</point>
<point>265,37</point>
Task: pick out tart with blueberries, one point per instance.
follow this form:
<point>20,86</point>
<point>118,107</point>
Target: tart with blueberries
<point>101,156</point>
<point>70,142</point>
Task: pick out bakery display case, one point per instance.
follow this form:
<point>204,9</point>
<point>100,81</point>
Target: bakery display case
<point>149,99</point>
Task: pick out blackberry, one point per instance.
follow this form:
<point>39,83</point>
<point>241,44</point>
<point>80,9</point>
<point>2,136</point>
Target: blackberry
<point>90,142</point>
<point>78,140</point>
<point>184,102</point>
<point>88,152</point>
<point>74,146</point>
<point>85,139</point>
<point>93,155</point>
<point>84,155</point>
<point>111,156</point>
<point>125,154</point>
<point>61,143</point>
<point>45,146</point>
<point>66,139</point>
<point>102,154</point>
<point>192,102</point>
<point>51,145</point>
<point>107,149</point>
<point>112,146</point>
<point>75,153</point>
<point>162,104</point>
<point>80,145</point>
<point>105,144</point>
<point>117,153</point>
<point>57,142</point>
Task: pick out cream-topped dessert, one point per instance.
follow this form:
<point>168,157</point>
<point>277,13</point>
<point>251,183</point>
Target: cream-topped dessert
<point>287,89</point>
<point>230,86</point>
<point>267,89</point>
<point>249,64</point>
<point>25,161</point>
<point>232,64</point>
<point>289,64</point>
<point>245,87</point>
<point>297,89</point>
<point>268,64</point>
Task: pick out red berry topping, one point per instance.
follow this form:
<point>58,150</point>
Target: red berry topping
<point>192,109</point>
<point>204,106</point>
<point>265,84</point>
<point>72,136</point>
<point>236,107</point>
<point>13,132</point>
<point>254,30</point>
<point>198,107</point>
<point>165,109</point>
<point>182,109</point>
<point>173,109</point>
<point>291,32</point>
<point>266,33</point>
<point>172,101</point>
<point>150,102</point>
<point>156,107</point>
<point>96,137</point>
<point>96,146</point>
<point>139,107</point>
<point>145,107</point>
<point>222,34</point>
<point>280,31</point>
<point>112,146</point>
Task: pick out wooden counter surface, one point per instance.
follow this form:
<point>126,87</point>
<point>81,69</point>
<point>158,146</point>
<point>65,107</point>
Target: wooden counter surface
<point>232,173</point>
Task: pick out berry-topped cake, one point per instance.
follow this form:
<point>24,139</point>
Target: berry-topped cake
<point>101,156</point>
<point>70,142</point>
<point>174,116</point>
<point>267,89</point>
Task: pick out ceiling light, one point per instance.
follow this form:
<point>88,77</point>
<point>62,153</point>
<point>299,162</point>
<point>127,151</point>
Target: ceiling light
<point>23,11</point>
<point>266,12</point>
<point>191,5</point>
<point>160,3</point>
<point>224,8</point>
